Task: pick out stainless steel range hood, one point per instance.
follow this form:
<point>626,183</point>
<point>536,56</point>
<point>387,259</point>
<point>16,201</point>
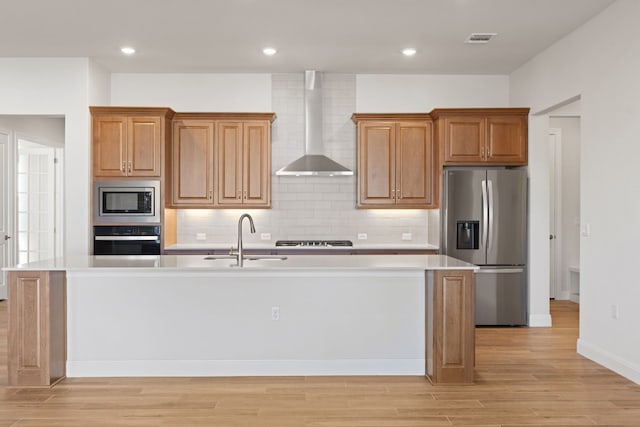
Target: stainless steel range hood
<point>314,162</point>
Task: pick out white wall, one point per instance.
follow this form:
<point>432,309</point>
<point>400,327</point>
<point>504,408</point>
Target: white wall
<point>57,87</point>
<point>386,93</point>
<point>600,62</point>
<point>194,92</point>
<point>44,130</point>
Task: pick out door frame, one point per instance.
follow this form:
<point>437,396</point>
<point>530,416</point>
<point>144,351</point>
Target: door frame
<point>7,193</point>
<point>555,219</point>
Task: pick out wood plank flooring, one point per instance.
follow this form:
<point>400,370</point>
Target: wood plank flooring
<point>525,377</point>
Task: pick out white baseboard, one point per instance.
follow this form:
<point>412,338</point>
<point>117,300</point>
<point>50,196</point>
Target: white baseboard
<point>224,368</point>
<point>540,320</point>
<point>599,355</point>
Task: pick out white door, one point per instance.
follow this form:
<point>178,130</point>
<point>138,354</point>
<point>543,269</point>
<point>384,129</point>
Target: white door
<point>555,280</point>
<point>4,210</point>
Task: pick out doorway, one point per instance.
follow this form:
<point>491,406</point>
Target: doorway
<point>31,183</point>
<point>564,200</point>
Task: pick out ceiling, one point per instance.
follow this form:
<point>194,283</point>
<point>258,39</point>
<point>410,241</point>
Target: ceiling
<point>351,36</point>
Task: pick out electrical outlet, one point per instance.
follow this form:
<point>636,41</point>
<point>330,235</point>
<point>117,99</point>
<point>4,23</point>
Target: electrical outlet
<point>614,311</point>
<point>265,236</point>
<point>362,236</point>
<point>275,313</point>
<point>406,236</point>
<point>201,236</point>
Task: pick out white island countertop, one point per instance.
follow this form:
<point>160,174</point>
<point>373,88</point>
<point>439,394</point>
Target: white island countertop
<point>170,263</point>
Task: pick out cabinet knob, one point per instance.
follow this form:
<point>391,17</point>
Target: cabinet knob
<point>129,167</point>
<point>211,194</point>
<point>124,167</point>
<point>7,237</point>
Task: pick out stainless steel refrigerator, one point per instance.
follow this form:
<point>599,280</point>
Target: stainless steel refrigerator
<point>484,222</point>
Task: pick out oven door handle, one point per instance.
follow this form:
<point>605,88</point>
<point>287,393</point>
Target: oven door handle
<point>125,238</point>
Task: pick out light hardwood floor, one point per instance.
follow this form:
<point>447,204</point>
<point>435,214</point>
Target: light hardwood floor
<point>525,376</point>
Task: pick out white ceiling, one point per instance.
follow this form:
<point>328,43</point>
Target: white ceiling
<point>353,36</point>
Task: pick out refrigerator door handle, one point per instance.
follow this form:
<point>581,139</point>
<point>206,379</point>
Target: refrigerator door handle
<point>490,209</point>
<point>499,270</point>
<point>485,213</point>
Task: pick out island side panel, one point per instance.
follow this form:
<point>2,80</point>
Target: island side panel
<point>453,327</point>
<point>37,328</point>
<point>57,326</point>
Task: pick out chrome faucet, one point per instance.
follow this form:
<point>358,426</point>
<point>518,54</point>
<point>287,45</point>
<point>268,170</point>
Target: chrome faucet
<point>240,254</point>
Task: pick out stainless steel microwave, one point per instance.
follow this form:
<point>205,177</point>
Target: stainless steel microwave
<point>126,202</point>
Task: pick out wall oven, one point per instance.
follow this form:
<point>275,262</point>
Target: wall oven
<point>126,240</point>
<point>126,202</point>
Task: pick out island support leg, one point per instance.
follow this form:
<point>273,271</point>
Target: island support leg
<point>450,326</point>
<point>37,329</point>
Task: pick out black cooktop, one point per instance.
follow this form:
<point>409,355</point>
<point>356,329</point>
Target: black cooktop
<point>314,243</point>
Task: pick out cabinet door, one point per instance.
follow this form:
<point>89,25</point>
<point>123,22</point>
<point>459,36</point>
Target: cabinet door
<point>464,140</point>
<point>144,145</point>
<point>109,146</point>
<point>192,163</point>
<point>376,163</point>
<point>229,163</point>
<point>414,164</point>
<point>507,140</point>
<point>256,188</point>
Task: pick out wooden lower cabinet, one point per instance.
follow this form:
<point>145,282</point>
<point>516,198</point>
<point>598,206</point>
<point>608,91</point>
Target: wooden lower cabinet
<point>37,330</point>
<point>450,326</point>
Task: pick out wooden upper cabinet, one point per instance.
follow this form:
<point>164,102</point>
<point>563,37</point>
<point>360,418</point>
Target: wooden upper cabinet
<point>507,140</point>
<point>244,163</point>
<point>376,163</point>
<point>128,142</point>
<point>415,164</point>
<point>464,139</point>
<point>221,160</point>
<point>192,163</point>
<point>144,146</point>
<point>396,161</point>
<point>256,155</point>
<point>479,136</point>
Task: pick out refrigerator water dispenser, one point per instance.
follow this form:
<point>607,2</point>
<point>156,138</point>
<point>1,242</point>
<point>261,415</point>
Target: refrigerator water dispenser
<point>467,234</point>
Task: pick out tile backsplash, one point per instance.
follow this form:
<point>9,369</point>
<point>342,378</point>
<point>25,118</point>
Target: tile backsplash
<point>311,207</point>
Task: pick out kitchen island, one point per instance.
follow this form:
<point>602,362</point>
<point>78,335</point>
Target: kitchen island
<point>190,316</point>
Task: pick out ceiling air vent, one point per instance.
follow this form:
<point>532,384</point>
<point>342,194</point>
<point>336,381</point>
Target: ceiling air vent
<point>479,37</point>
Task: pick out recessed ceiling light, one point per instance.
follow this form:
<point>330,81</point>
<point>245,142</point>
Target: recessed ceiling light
<point>269,51</point>
<point>127,50</point>
<point>409,51</point>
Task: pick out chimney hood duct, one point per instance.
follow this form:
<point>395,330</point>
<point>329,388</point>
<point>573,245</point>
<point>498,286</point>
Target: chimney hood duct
<point>314,162</point>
